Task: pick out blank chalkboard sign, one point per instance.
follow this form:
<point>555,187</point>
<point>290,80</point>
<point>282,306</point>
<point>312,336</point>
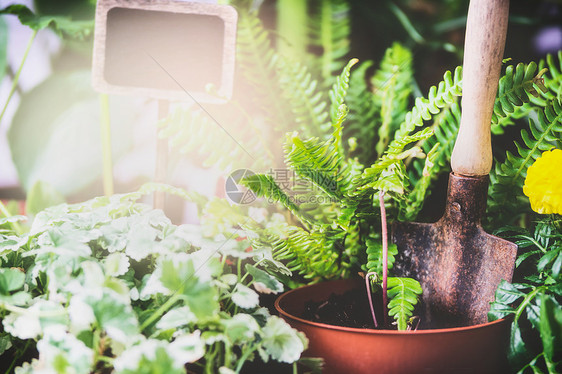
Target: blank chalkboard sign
<point>172,50</point>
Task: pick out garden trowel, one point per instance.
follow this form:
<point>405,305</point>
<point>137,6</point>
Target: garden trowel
<point>457,263</point>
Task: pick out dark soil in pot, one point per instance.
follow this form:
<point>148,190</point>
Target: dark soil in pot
<point>350,309</point>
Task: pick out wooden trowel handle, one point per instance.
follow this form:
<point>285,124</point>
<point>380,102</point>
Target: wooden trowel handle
<point>483,52</point>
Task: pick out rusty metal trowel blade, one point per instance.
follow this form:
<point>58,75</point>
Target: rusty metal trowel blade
<point>458,264</point>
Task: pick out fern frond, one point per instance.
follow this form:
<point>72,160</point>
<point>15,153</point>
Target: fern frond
<point>265,186</point>
<point>374,255</point>
<point>506,200</point>
<point>552,79</point>
<point>329,31</point>
<point>191,131</point>
<point>394,155</point>
<point>317,161</point>
<point>438,98</point>
<point>306,101</point>
<point>339,90</point>
<point>258,63</point>
<point>361,124</point>
<point>410,207</point>
<point>403,294</point>
<point>514,88</point>
<point>313,255</point>
<point>392,88</point>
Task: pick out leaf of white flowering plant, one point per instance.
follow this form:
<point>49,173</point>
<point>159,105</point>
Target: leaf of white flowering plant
<point>264,282</point>
<point>148,357</point>
<point>11,280</point>
<point>54,241</point>
<point>211,337</point>
<point>114,315</point>
<point>116,264</point>
<point>261,315</point>
<point>141,241</point>
<point>114,235</point>
<point>43,220</point>
<point>245,297</point>
<point>187,348</point>
<point>282,342</point>
<point>241,328</point>
<point>5,342</point>
<point>80,313</point>
<point>12,219</point>
<point>61,352</point>
<point>10,243</point>
<point>158,356</point>
<point>229,279</point>
<point>180,275</point>
<point>265,257</point>
<point>93,274</point>
<point>225,370</point>
<point>31,322</point>
<point>176,318</point>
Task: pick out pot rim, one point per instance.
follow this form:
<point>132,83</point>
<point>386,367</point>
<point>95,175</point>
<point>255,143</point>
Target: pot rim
<point>450,330</point>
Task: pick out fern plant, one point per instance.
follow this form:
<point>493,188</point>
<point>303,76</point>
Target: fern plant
<point>329,32</point>
<point>544,112</point>
<point>317,245</point>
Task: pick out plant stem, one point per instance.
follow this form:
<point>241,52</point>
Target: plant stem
<point>410,29</point>
<point>384,257</point>
<point>17,76</point>
<point>368,285</point>
<point>292,28</point>
<point>105,125</point>
<point>163,308</point>
<point>244,357</point>
<point>17,356</point>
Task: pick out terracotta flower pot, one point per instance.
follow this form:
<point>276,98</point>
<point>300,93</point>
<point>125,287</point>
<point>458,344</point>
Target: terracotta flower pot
<point>473,349</point>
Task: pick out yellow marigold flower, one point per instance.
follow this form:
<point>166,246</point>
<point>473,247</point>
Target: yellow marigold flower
<point>543,184</point>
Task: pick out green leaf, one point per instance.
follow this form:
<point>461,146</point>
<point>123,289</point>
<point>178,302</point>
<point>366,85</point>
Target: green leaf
<point>146,362</point>
<point>115,316</point>
<point>245,297</point>
<point>176,318</point>
<point>5,342</point>
<point>62,352</point>
<point>180,276</point>
<point>41,196</point>
<point>11,280</point>
<point>508,293</point>
<point>518,352</point>
<point>403,294</point>
<point>62,25</point>
<point>141,241</point>
<point>374,255</point>
<point>282,342</point>
<point>551,327</point>
<point>241,328</point>
<point>152,356</point>
<point>263,282</point>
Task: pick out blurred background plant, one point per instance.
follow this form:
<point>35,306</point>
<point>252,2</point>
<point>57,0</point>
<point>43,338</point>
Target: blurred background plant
<point>52,121</point>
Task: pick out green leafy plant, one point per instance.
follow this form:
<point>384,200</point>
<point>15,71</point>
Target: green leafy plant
<point>113,284</point>
<point>534,299</point>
